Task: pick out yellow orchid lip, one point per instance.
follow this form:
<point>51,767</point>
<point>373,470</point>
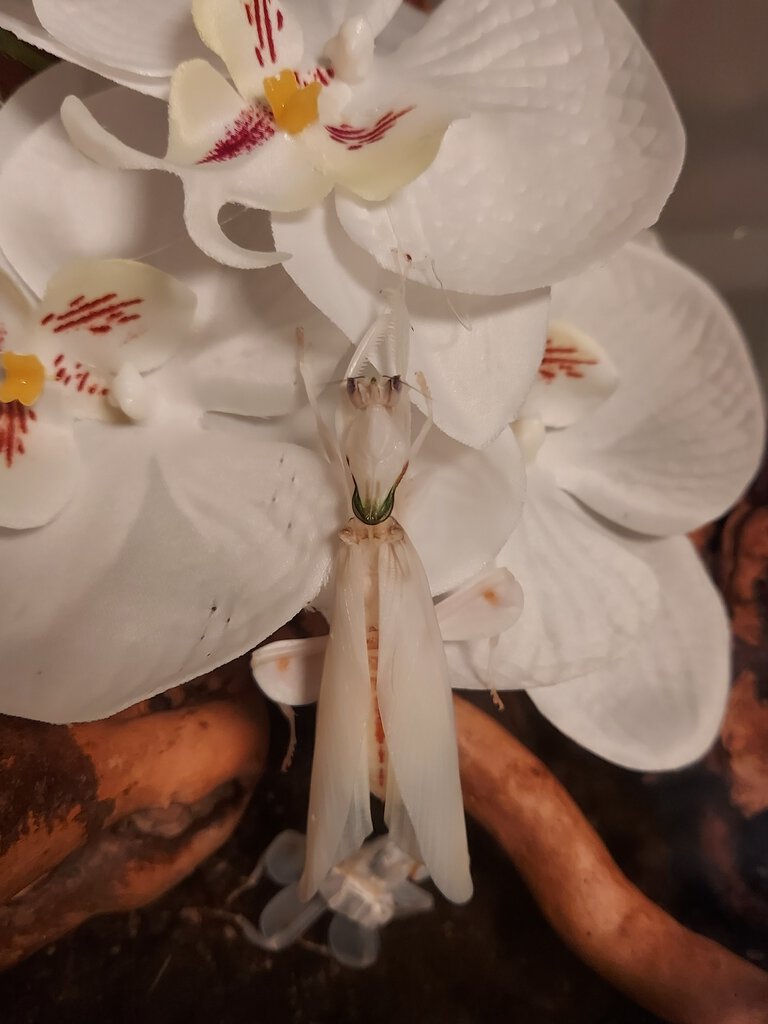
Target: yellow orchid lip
<point>294,106</point>
<point>24,378</point>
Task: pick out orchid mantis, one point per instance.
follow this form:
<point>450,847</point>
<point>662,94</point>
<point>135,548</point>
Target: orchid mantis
<point>385,715</point>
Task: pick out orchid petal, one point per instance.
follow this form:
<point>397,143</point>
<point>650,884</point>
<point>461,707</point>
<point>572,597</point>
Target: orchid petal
<point>661,706</point>
<point>575,377</point>
<point>567,155</point>
<point>17,16</point>
<point>149,580</point>
<point>586,597</point>
<point>682,435</point>
<point>254,38</point>
<point>143,37</point>
<point>111,312</point>
<point>492,346</point>
<point>38,463</point>
<point>458,500</point>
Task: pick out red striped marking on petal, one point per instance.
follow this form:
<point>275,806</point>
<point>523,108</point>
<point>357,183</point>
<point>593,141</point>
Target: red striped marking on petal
<point>562,361</point>
<point>15,420</point>
<point>252,128</point>
<point>355,138</point>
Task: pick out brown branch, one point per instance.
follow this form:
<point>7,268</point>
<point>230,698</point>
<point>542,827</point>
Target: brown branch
<point>607,921</point>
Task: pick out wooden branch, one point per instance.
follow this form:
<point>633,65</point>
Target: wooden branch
<point>625,937</point>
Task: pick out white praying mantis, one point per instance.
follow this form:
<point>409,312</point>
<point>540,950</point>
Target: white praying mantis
<point>385,720</point>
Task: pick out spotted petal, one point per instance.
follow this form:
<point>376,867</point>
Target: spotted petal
<point>682,435</point>
<point>661,706</point>
<point>586,598</point>
<point>478,355</point>
<point>573,146</point>
<point>38,463</point>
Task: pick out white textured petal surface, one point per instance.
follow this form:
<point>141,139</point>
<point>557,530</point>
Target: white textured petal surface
<point>39,469</point>
<point>586,597</point>
<point>479,355</point>
<point>136,587</point>
<point>681,437</point>
<point>661,706</point>
<point>583,158</point>
<point>248,364</point>
<point>459,505</point>
<point>19,18</point>
<point>142,37</point>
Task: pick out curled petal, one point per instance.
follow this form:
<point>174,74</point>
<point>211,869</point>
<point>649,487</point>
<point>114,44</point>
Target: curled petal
<point>661,706</point>
<point>681,436</point>
<point>479,355</point>
<point>111,312</point>
<point>274,176</point>
<point>587,598</point>
<point>141,38</point>
<point>254,38</point>
<point>39,465</point>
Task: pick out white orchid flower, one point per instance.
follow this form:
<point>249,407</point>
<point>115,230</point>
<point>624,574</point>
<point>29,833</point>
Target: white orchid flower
<point>78,354</point>
<point>556,123</point>
<point>492,345</point>
<point>647,418</point>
